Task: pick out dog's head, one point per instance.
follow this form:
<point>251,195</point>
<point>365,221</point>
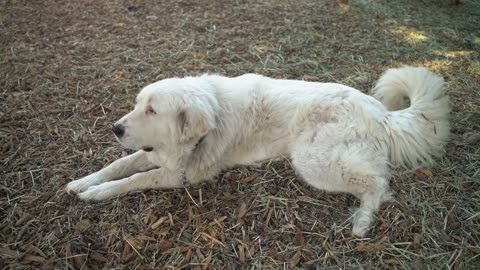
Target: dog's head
<point>169,118</point>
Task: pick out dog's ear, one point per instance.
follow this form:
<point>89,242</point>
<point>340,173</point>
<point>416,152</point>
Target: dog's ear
<point>192,124</point>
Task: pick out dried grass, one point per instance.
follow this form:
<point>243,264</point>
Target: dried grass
<point>71,68</point>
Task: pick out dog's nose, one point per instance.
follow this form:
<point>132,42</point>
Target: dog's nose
<point>119,130</point>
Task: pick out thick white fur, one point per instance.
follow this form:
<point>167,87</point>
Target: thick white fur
<point>338,138</point>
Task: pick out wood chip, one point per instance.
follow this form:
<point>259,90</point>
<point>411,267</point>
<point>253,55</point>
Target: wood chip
<point>416,240</point>
<point>241,253</point>
<point>97,256</point>
<point>24,218</point>
<point>298,239</point>
<point>33,258</point>
<point>252,250</point>
<point>310,78</point>
<point>206,264</point>
<point>213,239</point>
<point>170,217</point>
<point>188,255</point>
<point>391,261</point>
<point>423,174</point>
<point>9,253</point>
<point>147,217</point>
<point>295,260</point>
<point>370,248</point>
<point>82,225</point>
<point>243,210</point>
<point>37,250</point>
<point>127,254</point>
<point>69,255</point>
<point>165,245</point>
<point>250,178</point>
<point>146,238</point>
<point>79,261</point>
<point>314,261</point>
<point>119,25</point>
<point>134,243</point>
<point>158,222</point>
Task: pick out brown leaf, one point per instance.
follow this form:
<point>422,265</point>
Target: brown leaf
<point>423,174</point>
<point>146,238</point>
<point>298,239</point>
<point>314,261</point>
<point>134,243</point>
<point>243,210</point>
<point>391,261</point>
<point>250,178</point>
<point>310,78</point>
<point>213,239</point>
<point>97,256</point>
<point>199,254</point>
<point>252,250</point>
<point>37,250</point>
<point>370,248</point>
<point>230,176</point>
<point>416,240</point>
<point>228,195</point>
<point>79,261</point>
<point>158,222</point>
<point>453,223</point>
<point>127,257</point>
<point>82,225</point>
<point>170,217</point>
<point>147,217</point>
<point>33,258</point>
<point>207,262</point>
<point>69,255</point>
<point>165,245</point>
<point>295,260</point>
<point>119,25</point>
<point>188,255</point>
<point>9,252</point>
<point>24,218</point>
<point>241,253</point>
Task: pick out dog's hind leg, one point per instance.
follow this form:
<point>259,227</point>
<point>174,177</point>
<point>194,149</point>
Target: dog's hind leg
<point>120,168</point>
<point>328,163</point>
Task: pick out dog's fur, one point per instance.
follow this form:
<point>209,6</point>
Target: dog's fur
<point>338,138</point>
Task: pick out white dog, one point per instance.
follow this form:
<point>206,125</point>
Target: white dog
<point>187,130</point>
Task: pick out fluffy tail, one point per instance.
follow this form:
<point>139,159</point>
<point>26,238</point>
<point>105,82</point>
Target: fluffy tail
<point>417,133</point>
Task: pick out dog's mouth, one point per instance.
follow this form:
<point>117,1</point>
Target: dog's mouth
<point>147,148</point>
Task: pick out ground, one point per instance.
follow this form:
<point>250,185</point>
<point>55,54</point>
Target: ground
<point>69,69</point>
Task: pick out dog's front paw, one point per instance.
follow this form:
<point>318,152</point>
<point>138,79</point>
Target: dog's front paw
<point>97,193</point>
<point>82,184</point>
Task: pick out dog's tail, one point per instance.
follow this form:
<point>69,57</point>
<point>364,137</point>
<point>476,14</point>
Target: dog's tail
<point>419,132</point>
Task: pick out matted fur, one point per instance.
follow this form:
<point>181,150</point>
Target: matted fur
<point>338,138</point>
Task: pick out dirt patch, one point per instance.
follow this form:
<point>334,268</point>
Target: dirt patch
<point>69,69</point>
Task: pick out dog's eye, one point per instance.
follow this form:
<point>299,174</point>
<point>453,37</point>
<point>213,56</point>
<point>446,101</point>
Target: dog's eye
<point>149,110</point>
